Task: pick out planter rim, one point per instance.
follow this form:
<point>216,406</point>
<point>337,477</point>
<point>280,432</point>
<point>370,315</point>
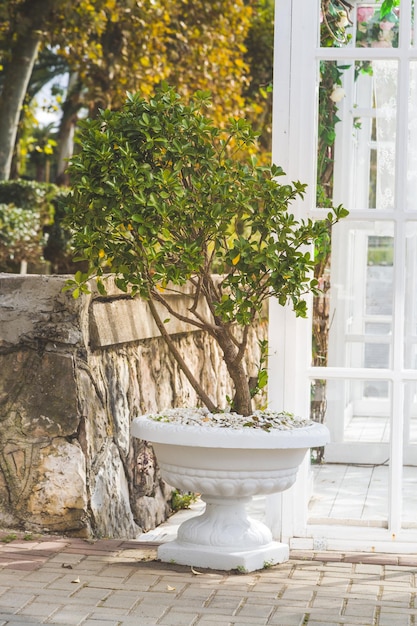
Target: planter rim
<point>312,435</point>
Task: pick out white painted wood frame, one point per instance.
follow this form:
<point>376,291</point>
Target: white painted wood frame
<point>296,79</point>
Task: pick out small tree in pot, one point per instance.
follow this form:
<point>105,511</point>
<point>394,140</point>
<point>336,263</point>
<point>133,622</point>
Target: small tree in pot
<point>160,197</point>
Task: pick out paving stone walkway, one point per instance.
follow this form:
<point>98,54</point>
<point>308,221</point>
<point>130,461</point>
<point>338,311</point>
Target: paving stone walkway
<point>46,580</point>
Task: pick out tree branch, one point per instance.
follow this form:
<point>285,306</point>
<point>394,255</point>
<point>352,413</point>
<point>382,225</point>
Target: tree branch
<point>201,325</point>
<point>177,356</point>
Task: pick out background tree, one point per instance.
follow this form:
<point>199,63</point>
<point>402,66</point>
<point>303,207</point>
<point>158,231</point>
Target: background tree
<point>206,49</point>
<point>259,58</point>
<point>194,45</point>
<point>28,26</point>
<point>23,27</point>
<point>114,47</point>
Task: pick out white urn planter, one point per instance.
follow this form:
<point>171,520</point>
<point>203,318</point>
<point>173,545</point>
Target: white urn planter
<point>227,466</point>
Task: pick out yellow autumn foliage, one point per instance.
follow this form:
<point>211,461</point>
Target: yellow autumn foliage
<point>123,46</point>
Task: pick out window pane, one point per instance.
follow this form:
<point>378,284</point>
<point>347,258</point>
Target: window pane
<point>336,25</point>
<point>412,140</point>
<point>364,25</point>
<point>352,318</point>
<point>352,411</point>
<point>356,134</point>
<point>331,95</point>
<point>351,492</point>
<point>374,31</point>
<point>353,482</point>
<point>409,497</point>
<point>410,456</point>
<point>374,129</point>
<point>410,334</point>
<point>410,415</point>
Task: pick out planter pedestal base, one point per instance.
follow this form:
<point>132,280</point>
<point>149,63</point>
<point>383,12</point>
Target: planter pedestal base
<point>224,537</point>
<point>212,558</point>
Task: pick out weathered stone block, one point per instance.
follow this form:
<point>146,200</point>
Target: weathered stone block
<point>38,395</point>
<point>58,499</point>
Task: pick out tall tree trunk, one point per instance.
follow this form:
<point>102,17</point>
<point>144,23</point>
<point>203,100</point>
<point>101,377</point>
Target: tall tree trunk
<point>33,15</point>
<point>67,125</point>
<point>16,80</point>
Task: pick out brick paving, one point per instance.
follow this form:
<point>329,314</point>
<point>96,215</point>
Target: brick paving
<point>56,580</point>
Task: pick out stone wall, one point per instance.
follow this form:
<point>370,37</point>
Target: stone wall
<point>73,374</point>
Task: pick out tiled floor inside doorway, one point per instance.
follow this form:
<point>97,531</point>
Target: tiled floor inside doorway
<point>343,493</point>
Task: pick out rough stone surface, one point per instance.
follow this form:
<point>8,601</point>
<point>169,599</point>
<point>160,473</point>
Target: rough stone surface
<point>54,498</point>
<point>73,374</point>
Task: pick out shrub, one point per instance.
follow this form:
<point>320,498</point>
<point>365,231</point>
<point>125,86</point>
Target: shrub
<point>30,228</point>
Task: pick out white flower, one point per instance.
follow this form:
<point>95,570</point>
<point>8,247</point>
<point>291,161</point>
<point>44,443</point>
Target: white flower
<point>343,20</point>
<point>337,94</point>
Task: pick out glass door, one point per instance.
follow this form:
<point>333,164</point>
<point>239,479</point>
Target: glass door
<point>366,376</point>
<point>346,123</point>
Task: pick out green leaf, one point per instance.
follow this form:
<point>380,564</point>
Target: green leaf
<point>100,287</point>
<point>262,379</point>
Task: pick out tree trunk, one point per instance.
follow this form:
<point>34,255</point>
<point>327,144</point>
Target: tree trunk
<point>242,401</point>
<point>66,132</point>
<point>33,15</point>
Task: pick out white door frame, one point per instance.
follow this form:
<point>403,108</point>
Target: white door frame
<point>296,78</point>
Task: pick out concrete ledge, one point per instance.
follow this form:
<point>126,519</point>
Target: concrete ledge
<point>122,319</point>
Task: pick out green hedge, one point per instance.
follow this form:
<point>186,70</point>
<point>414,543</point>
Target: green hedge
<point>30,228</point>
